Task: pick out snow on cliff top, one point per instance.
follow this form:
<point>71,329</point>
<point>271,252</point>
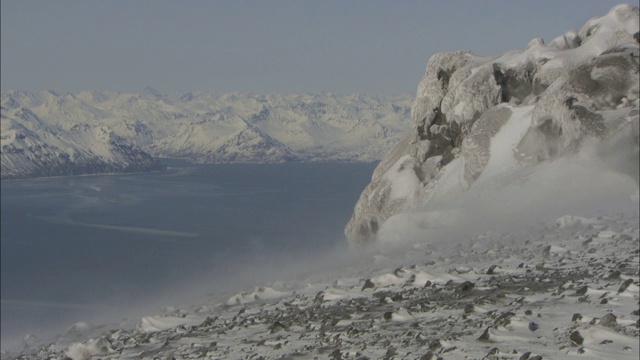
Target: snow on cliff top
<point>485,122</point>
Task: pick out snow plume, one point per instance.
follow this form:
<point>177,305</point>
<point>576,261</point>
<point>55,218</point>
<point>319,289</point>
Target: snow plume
<point>514,139</point>
<point>584,184</point>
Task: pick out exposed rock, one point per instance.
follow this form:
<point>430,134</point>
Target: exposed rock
<point>469,308</point>
<point>486,335</point>
<point>466,286</point>
<point>368,284</point>
<point>277,326</point>
<point>608,320</point>
<point>576,338</point>
<point>491,270</point>
<point>625,285</point>
<point>428,356</point>
<point>563,92</point>
<point>614,274</point>
<point>582,290</point>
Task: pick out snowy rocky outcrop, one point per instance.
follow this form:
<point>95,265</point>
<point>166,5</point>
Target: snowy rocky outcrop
<point>478,119</point>
<point>201,127</point>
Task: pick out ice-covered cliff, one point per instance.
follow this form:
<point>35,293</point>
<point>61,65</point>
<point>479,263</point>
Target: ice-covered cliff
<point>483,122</point>
<point>202,127</point>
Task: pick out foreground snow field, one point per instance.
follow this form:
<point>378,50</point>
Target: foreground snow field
<point>566,289</point>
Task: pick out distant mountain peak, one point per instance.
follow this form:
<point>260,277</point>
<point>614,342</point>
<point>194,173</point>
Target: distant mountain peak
<point>151,91</point>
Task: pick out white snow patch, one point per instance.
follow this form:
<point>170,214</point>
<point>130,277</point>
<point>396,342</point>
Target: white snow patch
<point>159,323</point>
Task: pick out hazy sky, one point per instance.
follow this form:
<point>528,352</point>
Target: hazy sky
<point>372,47</point>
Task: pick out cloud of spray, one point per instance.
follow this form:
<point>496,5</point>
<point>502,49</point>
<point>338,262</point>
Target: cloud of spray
<point>599,180</point>
<point>202,290</point>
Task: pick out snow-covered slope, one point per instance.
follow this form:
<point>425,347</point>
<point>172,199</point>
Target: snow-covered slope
<point>567,289</point>
<point>33,148</point>
<point>209,128</point>
<point>551,116</point>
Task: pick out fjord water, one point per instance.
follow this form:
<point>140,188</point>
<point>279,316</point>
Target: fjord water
<point>77,247</point>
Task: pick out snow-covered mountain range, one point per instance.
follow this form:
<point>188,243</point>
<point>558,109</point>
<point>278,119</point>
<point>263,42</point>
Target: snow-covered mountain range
<point>551,114</point>
<point>95,132</point>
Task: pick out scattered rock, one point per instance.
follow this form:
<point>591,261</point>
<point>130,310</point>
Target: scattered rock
<point>576,338</point>
<point>277,326</point>
<point>336,355</point>
<point>581,291</point>
<point>615,274</point>
<point>368,284</point>
<point>390,353</point>
<point>388,315</point>
<point>504,319</point>
<point>469,308</point>
<point>435,345</point>
<point>608,320</point>
<point>486,335</point>
<point>625,285</point>
<point>428,356</point>
<point>466,286</point>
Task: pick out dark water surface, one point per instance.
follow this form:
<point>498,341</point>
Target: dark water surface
<point>73,245</point>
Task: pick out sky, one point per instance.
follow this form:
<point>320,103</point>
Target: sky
<point>342,46</point>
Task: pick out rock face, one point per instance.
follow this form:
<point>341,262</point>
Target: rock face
<point>476,116</point>
<point>201,127</point>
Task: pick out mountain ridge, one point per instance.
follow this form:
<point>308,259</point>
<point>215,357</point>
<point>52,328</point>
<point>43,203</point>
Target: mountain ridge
<point>202,127</point>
